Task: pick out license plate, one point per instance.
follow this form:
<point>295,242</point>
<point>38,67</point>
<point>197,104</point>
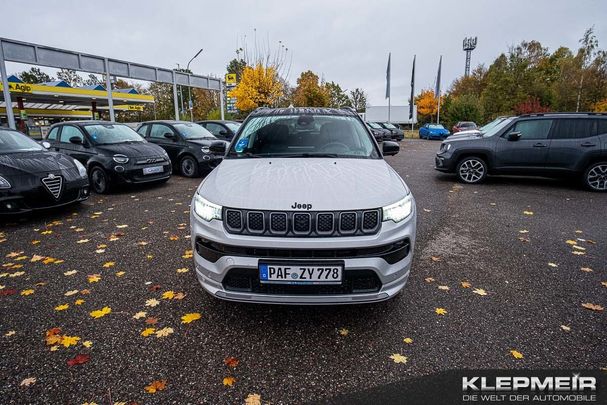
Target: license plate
<point>153,170</point>
<point>300,273</point>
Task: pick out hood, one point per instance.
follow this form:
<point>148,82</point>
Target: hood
<point>35,163</point>
<point>206,142</point>
<point>326,184</point>
<point>464,136</point>
<point>132,150</point>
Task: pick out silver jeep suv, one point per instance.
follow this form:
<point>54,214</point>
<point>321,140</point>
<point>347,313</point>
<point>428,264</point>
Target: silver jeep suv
<point>303,210</point>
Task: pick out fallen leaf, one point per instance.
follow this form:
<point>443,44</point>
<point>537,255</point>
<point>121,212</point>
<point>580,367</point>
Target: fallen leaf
<point>479,291</point>
<point>168,295</point>
<point>87,343</point>
<point>593,307</point>
<point>465,284</point>
<point>577,252</point>
<point>10,333</point>
<point>179,296</point>
<point>93,278</point>
<point>399,358</point>
<point>565,328</point>
<point>553,264</point>
<point>516,354</point>
<point>343,331</point>
<point>156,386</point>
<point>62,307</point>
<point>188,318</point>
<point>528,212</point>
<point>582,249</point>
<point>70,293</point>
<point>604,283</point>
<point>109,264</point>
<point>523,231</point>
<point>36,258</point>
<point>253,399</point>
<point>68,341</point>
<point>427,210</point>
<point>231,362</point>
<point>429,279</point>
<point>70,273</point>
<point>229,381</point>
<point>164,332</point>
<point>27,292</point>
<point>79,360</point>
<point>435,259</point>
<point>571,242</point>
<point>183,270</point>
<point>440,311</point>
<point>140,314</point>
<point>83,241</point>
<point>443,287</point>
<point>151,321</point>
<point>28,381</point>
<point>120,274</point>
<point>586,269</point>
<point>408,340</point>
<point>122,226</point>
<point>79,302</point>
<point>152,302</point>
<point>99,313</point>
<point>148,331</point>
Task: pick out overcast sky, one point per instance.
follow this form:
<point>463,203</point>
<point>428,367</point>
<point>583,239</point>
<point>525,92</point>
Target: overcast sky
<point>346,41</point>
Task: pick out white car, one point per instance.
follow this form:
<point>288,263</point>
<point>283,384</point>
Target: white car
<point>303,210</point>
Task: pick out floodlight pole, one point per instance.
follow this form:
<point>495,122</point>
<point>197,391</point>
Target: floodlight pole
<point>108,86</point>
<point>221,99</point>
<point>175,101</point>
<point>7,92</point>
<point>190,105</point>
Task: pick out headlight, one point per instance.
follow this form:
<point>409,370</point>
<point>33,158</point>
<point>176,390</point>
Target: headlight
<point>444,147</point>
<point>398,211</point>
<point>205,149</point>
<point>120,159</point>
<point>206,209</point>
<point>4,184</point>
<point>81,168</point>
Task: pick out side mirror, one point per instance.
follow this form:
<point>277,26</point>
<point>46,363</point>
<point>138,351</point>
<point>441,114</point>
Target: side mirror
<point>514,136</point>
<point>76,139</point>
<point>169,135</point>
<point>223,132</point>
<point>218,148</point>
<point>46,145</point>
<point>390,148</point>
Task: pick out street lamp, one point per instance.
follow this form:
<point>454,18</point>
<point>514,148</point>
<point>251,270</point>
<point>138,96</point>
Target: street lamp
<point>189,88</point>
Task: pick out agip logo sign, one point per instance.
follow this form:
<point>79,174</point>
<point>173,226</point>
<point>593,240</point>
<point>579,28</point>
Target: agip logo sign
<point>20,88</point>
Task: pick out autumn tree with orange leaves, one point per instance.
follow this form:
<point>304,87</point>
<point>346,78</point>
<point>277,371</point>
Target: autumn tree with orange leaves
<point>427,105</point>
<point>260,86</point>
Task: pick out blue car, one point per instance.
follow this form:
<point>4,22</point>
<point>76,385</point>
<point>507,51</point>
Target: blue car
<point>433,131</point>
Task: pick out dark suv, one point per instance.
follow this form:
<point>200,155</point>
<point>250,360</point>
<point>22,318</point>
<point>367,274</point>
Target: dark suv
<point>187,143</point>
<point>112,153</point>
<point>537,144</point>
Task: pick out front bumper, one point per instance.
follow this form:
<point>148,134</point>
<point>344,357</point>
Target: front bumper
<point>133,174</point>
<point>444,163</point>
<point>26,200</point>
<point>392,277</point>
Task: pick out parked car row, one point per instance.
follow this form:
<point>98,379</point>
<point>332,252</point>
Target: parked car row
<point>385,131</point>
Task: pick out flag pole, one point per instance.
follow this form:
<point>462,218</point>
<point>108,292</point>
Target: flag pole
<point>438,89</point>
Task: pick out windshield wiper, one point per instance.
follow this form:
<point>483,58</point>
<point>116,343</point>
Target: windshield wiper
<point>307,155</point>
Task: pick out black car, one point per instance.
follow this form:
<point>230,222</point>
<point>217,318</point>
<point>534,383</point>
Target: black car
<point>396,133</point>
<point>380,134</point>
<point>112,153</point>
<point>187,144</point>
<point>224,130</point>
<point>31,177</point>
<point>535,144</point>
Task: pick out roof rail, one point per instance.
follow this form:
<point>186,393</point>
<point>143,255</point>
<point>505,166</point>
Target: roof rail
<point>562,113</point>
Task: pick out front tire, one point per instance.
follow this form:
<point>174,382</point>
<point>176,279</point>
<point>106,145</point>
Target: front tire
<point>595,177</point>
<point>471,170</point>
<point>99,180</point>
<point>188,166</point>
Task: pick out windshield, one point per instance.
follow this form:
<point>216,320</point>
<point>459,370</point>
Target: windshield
<point>435,126</point>
<point>12,141</point>
<point>388,125</point>
<point>233,126</point>
<point>193,131</point>
<point>374,125</point>
<point>496,126</point>
<point>105,134</point>
<point>304,135</point>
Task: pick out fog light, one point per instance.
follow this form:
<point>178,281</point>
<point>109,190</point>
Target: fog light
<point>206,157</point>
<point>119,169</point>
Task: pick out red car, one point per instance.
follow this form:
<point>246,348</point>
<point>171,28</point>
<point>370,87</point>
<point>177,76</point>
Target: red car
<point>463,126</point>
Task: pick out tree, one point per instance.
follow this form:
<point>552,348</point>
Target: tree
<point>358,100</point>
<point>71,77</point>
<point>35,75</point>
<point>530,106</point>
<point>474,84</point>
<point>309,92</point>
<point>204,102</point>
<point>236,66</point>
<point>337,97</point>
<point>427,105</point>
<point>462,108</point>
<point>259,86</point>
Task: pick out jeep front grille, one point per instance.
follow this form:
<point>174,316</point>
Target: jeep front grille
<point>53,184</point>
<point>302,224</point>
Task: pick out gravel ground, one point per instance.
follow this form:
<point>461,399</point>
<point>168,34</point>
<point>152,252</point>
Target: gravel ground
<point>137,242</point>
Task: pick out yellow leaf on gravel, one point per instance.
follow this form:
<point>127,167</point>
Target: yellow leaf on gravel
<point>516,354</point>
<point>152,302</point>
<point>10,333</point>
<point>578,248</point>
<point>604,283</point>
<point>99,313</point>
<point>586,269</point>
<point>70,273</point>
<point>164,332</point>
<point>27,292</point>
<point>72,292</point>
<point>122,226</point>
<point>443,287</point>
<point>183,270</point>
<point>577,252</point>
<point>68,341</point>
<point>429,279</point>
<point>148,332</point>
<point>399,358</point>
<point>571,242</point>
<point>465,284</point>
<point>140,314</point>
<point>93,278</point>
<point>343,331</point>
<point>435,259</point>
<point>156,386</point>
<point>408,340</point>
<point>523,231</point>
<point>229,381</point>
<point>28,381</point>
<point>36,258</point>
<point>79,302</point>
<point>528,212</point>
<point>553,264</point>
<point>188,318</point>
<point>565,328</point>
<point>46,232</point>
<point>83,241</point>
<point>109,264</point>
<point>253,399</point>
<point>593,307</point>
<point>168,295</point>
<point>62,307</point>
<point>120,274</point>
<point>440,311</point>
<point>87,343</point>
<point>479,291</point>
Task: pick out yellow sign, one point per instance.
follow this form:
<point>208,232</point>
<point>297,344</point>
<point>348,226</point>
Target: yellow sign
<point>19,87</point>
<point>129,107</point>
<point>231,78</point>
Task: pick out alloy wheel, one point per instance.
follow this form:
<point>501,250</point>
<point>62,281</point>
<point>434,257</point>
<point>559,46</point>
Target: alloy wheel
<point>472,171</point>
<point>99,181</point>
<point>597,177</point>
<point>187,167</point>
